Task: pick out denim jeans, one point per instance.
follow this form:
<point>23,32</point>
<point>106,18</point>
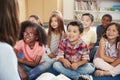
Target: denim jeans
<point>33,73</point>
<point>48,59</point>
<point>92,53</point>
<point>88,68</point>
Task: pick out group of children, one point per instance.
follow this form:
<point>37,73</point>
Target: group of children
<point>68,52</point>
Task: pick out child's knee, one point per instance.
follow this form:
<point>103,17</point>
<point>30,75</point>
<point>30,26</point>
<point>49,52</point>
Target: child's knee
<point>96,61</point>
<point>56,65</point>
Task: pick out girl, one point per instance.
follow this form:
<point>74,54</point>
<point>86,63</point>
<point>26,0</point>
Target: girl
<point>57,12</point>
<point>35,19</point>
<point>31,44</point>
<point>108,54</point>
<point>55,34</point>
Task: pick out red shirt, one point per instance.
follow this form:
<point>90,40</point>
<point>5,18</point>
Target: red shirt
<point>73,54</point>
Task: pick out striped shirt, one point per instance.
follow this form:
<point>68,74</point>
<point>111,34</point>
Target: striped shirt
<point>55,38</point>
<point>110,51</point>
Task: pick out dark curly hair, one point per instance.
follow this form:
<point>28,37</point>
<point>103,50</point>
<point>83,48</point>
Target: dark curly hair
<point>42,37</point>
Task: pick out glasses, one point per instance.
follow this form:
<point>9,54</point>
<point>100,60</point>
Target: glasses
<point>29,33</point>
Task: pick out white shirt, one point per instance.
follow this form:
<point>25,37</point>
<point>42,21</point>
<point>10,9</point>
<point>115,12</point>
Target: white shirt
<point>8,63</point>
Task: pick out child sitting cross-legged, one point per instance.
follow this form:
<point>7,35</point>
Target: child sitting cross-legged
<point>31,44</point>
<point>73,54</point>
<point>107,58</point>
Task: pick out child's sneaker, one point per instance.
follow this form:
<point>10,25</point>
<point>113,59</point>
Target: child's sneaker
<point>85,77</point>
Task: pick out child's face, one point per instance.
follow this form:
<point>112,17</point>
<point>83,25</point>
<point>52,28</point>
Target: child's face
<point>105,21</point>
<point>54,23</point>
<point>112,32</point>
<point>73,33</point>
<point>32,19</point>
<point>86,21</point>
<point>30,35</point>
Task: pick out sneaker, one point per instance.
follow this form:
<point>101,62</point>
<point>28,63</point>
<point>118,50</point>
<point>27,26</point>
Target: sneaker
<point>85,77</point>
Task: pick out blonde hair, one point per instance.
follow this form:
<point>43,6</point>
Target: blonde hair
<point>56,12</point>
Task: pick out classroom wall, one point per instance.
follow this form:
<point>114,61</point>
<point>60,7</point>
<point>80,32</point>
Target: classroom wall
<point>22,9</point>
<point>42,8</point>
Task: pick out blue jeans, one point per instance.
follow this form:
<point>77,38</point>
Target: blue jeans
<point>48,59</point>
<point>33,73</point>
<point>88,68</point>
<point>92,53</point>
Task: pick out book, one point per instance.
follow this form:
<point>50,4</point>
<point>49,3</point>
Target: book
<point>85,5</point>
<point>50,76</point>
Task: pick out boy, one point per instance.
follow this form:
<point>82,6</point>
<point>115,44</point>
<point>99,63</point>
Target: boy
<point>73,54</point>
<point>106,19</point>
<point>89,35</point>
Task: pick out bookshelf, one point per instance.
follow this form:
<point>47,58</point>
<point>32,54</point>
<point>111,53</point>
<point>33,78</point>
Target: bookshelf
<point>98,8</point>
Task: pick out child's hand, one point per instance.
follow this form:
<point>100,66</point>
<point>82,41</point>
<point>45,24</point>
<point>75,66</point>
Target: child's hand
<point>51,55</point>
<point>20,60</point>
<point>23,75</point>
<point>74,66</point>
<point>66,63</point>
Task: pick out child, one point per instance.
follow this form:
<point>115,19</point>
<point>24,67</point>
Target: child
<point>55,34</point>
<point>89,35</point>
<point>108,54</point>
<point>73,54</point>
<point>57,12</point>
<point>31,44</point>
<point>106,19</point>
<point>9,30</point>
<point>35,19</point>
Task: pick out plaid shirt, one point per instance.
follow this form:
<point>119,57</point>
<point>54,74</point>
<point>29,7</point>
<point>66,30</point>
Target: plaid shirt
<point>73,54</point>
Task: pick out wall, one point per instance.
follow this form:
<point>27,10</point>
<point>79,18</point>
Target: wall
<point>105,9</point>
<point>22,9</point>
<point>48,7</point>
<point>35,7</point>
<point>42,8</point>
